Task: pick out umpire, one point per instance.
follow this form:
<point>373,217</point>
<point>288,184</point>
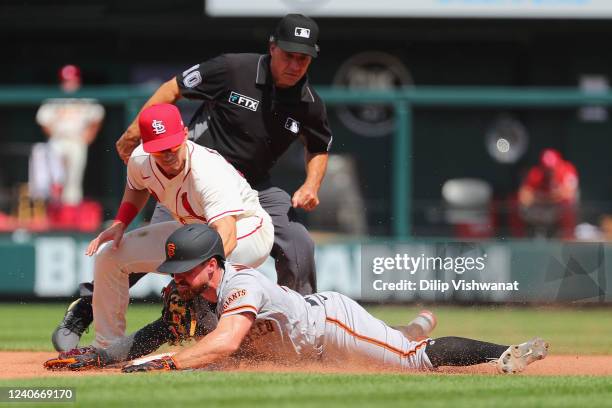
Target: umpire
<point>253,108</point>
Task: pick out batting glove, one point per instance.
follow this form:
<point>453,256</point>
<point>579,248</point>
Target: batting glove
<point>165,363</point>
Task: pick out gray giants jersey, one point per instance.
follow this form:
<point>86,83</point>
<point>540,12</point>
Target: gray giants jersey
<point>286,324</point>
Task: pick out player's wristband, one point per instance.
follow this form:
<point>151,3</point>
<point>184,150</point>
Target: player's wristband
<point>127,212</point>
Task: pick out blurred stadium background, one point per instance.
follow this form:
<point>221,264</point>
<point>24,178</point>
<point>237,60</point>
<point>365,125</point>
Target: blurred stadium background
<point>438,109</point>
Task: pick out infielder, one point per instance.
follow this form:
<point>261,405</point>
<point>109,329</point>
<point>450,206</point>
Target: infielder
<point>253,108</point>
<point>196,185</point>
<point>260,318</point>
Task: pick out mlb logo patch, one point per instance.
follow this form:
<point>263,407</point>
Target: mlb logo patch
<point>243,101</point>
<point>302,32</point>
<point>292,125</point>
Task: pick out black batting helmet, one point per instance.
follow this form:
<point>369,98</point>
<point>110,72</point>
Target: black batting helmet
<point>189,246</point>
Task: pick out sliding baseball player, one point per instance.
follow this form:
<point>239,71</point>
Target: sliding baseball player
<point>259,318</point>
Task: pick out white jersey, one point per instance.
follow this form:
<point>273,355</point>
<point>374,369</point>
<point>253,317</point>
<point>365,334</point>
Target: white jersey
<point>286,323</point>
<point>208,188</point>
<point>68,118</point>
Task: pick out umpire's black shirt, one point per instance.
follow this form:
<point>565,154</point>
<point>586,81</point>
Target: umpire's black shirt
<point>246,118</point>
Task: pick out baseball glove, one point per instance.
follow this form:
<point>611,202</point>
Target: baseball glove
<point>178,314</point>
<point>165,363</point>
<point>77,359</point>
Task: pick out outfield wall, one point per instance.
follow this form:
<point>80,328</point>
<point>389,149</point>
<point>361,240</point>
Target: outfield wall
<point>430,271</point>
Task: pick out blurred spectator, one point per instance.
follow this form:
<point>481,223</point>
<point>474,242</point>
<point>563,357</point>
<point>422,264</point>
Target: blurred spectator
<point>57,167</point>
<point>601,232</point>
<point>548,196</point>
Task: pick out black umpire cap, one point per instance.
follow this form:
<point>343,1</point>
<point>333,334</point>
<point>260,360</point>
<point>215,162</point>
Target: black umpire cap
<point>189,246</point>
<point>297,33</point>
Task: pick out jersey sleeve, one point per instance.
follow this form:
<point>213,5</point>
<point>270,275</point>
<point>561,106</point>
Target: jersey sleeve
<point>243,294</point>
<point>96,112</point>
<point>205,80</point>
<point>134,178</point>
<point>45,113</point>
<point>220,194</point>
<point>316,133</point>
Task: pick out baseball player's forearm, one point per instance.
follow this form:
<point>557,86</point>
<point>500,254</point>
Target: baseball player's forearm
<point>138,198</point>
<point>168,92</point>
<point>307,196</point>
<point>226,227</point>
<point>219,344</point>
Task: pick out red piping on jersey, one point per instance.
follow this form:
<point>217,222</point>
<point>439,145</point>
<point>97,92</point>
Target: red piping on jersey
<point>153,171</point>
<point>252,232</point>
<point>223,213</point>
<point>190,165</point>
<point>379,343</point>
<point>188,208</point>
<point>240,307</point>
<point>153,194</point>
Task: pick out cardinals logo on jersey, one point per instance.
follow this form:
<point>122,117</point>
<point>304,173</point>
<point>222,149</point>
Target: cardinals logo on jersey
<point>170,249</point>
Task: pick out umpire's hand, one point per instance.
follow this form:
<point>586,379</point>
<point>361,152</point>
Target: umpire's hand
<point>305,197</point>
<point>129,140</point>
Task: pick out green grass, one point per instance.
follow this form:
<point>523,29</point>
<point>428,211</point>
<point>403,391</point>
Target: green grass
<point>216,389</point>
<point>29,326</point>
<point>570,331</point>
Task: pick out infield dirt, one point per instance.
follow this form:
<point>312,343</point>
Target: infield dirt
<point>25,364</point>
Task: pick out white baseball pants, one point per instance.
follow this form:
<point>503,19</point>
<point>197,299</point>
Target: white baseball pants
<point>74,156</point>
<point>352,335</point>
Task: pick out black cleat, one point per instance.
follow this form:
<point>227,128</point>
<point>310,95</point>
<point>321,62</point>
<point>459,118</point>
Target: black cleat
<point>77,319</point>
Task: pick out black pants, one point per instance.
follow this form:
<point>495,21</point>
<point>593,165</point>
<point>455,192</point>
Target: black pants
<point>293,248</point>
